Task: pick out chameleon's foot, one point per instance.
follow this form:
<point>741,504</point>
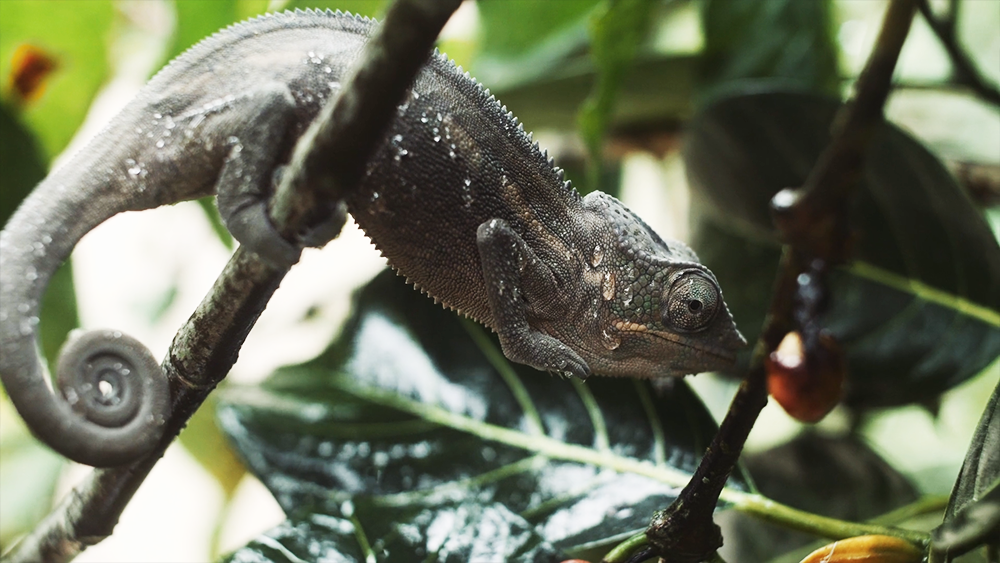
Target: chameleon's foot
<point>545,353</point>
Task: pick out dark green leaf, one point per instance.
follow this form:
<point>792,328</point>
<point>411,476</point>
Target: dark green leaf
<point>451,533</point>
<point>918,309</point>
<point>981,468</point>
<point>785,39</point>
<point>412,410</point>
<point>973,515</point>
<point>839,477</point>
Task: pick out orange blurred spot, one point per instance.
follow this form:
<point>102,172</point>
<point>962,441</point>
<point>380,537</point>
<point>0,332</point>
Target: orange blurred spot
<point>29,68</point>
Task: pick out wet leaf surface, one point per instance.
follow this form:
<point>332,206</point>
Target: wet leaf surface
<point>919,309</point>
<point>413,414</point>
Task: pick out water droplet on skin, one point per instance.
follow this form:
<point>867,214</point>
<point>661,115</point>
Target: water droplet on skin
<point>327,69</point>
<point>608,286</point>
<point>610,341</point>
<point>160,144</point>
<point>437,138</point>
<point>397,139</point>
<point>597,256</point>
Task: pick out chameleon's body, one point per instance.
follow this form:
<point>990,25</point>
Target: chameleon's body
<point>457,198</point>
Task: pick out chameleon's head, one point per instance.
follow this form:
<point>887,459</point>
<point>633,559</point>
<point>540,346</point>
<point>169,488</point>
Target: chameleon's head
<point>662,311</point>
<point>673,322</point>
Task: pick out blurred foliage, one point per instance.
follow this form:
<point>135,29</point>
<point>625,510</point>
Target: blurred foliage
<point>918,310</point>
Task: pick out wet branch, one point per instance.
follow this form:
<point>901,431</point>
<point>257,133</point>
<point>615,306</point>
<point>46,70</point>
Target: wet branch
<point>207,345</point>
<point>813,220</point>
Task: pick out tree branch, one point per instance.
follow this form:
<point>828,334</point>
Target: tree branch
<point>327,161</point>
<point>814,222</point>
<point>965,71</point>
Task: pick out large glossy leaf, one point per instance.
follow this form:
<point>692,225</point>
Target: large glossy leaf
<point>782,39</point>
<point>412,415</point>
<point>918,309</point>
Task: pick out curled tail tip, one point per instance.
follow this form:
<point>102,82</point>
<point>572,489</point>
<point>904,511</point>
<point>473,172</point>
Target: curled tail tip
<point>112,404</point>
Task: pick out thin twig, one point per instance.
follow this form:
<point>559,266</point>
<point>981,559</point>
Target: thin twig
<point>965,71</point>
<point>206,347</point>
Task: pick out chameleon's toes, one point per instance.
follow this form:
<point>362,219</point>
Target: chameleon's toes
<point>578,369</point>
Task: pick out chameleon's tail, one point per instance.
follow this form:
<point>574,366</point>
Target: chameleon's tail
<point>113,398</point>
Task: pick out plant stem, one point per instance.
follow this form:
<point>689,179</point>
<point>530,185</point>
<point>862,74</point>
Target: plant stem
<point>831,528</point>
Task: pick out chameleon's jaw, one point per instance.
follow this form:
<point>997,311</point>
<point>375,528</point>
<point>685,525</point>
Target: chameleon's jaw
<point>645,353</point>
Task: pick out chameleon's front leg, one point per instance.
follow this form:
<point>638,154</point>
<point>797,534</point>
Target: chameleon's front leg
<point>508,265</point>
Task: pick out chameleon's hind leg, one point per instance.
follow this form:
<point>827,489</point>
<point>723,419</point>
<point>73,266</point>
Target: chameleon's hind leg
<point>514,276</point>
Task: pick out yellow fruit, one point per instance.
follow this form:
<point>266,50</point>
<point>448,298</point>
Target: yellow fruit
<point>867,549</point>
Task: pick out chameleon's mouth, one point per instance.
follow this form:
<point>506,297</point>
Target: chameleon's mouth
<point>724,355</point>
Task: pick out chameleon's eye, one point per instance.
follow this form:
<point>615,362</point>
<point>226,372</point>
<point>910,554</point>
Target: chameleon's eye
<point>692,302</point>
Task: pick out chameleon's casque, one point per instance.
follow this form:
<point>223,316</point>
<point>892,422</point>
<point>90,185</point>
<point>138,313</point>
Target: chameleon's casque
<point>457,197</point>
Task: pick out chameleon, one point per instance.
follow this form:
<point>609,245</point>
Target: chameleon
<point>458,198</point>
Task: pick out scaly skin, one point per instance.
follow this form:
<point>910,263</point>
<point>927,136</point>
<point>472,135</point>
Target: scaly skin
<point>457,198</point>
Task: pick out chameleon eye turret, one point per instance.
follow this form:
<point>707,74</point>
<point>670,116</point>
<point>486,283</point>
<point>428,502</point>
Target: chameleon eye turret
<point>691,302</point>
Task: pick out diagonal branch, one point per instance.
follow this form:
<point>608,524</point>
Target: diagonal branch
<point>206,347</point>
<point>965,71</point>
<point>813,220</point>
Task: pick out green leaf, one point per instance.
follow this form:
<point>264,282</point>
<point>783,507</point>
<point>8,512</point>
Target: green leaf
<point>523,40</point>
<point>616,33</point>
<point>448,533</point>
<point>203,440</point>
<point>786,39</point>
<point>76,36</point>
<point>29,473</point>
<point>981,469</point>
<point>840,477</point>
<point>23,167</point>
<point>413,411</point>
<point>918,309</point>
<point>368,8</point>
<point>973,515</point>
